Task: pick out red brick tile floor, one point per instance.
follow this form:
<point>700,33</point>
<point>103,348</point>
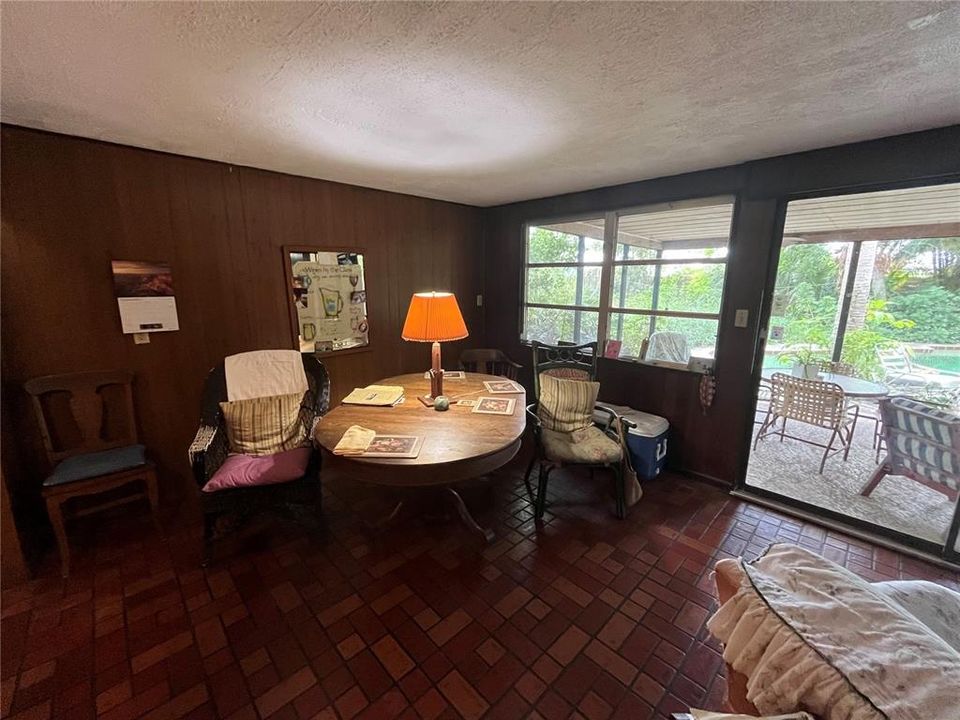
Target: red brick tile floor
<point>583,617</point>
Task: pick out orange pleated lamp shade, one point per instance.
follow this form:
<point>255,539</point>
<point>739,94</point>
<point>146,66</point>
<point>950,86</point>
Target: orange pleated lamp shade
<point>434,317</point>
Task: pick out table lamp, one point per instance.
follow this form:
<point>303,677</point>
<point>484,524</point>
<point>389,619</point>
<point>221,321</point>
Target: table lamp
<point>434,317</point>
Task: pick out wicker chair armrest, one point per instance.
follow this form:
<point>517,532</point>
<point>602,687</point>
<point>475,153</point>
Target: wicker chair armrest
<point>207,452</point>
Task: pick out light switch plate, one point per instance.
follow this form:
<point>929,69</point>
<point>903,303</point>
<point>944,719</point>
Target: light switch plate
<point>479,300</point>
<point>743,315</point>
<point>141,338</point>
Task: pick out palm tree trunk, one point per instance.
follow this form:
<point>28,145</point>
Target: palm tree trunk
<point>862,284</point>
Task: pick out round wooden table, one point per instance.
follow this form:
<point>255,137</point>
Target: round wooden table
<point>852,387</point>
<point>458,444</point>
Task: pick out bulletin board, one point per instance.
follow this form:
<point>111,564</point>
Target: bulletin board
<point>327,298</point>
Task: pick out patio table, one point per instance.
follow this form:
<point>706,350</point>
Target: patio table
<point>852,387</point>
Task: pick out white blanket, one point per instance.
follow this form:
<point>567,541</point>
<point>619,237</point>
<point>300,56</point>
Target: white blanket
<point>264,373</point>
<point>810,634</point>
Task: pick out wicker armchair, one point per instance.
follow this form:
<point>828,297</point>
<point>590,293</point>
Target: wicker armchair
<point>821,404</point>
<point>576,362</point>
<point>489,361</point>
<point>209,450</point>
<point>922,443</point>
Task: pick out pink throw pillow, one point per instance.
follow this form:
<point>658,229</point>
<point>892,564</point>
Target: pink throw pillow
<point>248,470</point>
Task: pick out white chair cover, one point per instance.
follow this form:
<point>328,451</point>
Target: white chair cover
<point>263,373</point>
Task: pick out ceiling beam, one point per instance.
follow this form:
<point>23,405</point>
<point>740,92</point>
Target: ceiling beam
<point>903,232</point>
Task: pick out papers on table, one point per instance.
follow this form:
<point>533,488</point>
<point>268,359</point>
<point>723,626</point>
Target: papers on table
<point>379,395</point>
<point>448,375</point>
<point>500,387</point>
<point>394,446</point>
<point>355,441</point>
<point>359,441</point>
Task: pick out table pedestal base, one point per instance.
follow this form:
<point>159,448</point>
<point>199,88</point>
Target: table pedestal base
<point>467,518</point>
<point>461,507</point>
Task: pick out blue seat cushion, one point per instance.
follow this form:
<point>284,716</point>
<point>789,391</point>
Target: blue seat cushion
<point>89,465</point>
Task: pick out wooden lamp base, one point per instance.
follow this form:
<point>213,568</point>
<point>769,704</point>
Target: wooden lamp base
<point>436,377</point>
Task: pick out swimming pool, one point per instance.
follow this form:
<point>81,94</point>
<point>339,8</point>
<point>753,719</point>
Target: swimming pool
<point>939,360</point>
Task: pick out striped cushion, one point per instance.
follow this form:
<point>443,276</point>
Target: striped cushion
<point>567,373</point>
<point>924,420</point>
<point>264,425</point>
<point>927,453</point>
<point>566,405</point>
<point>923,441</point>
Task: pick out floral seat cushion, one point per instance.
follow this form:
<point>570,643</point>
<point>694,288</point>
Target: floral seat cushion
<point>588,446</point>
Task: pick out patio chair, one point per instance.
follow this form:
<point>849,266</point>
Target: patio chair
<point>596,446</point>
<point>902,374</point>
<point>489,361</point>
<point>763,401</point>
<point>669,347</point>
<point>821,404</point>
<point>922,443</point>
<point>836,367</point>
<point>868,407</point>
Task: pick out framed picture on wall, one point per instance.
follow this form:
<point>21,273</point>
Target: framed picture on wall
<point>327,297</point>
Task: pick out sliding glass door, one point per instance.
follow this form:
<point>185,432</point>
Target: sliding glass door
<point>865,308</point>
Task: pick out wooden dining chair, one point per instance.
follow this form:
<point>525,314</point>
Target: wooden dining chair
<point>90,439</point>
<point>489,361</point>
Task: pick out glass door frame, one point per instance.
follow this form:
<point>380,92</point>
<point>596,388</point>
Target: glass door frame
<point>948,551</point>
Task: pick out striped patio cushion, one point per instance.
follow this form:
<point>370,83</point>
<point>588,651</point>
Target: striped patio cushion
<point>927,453</point>
<point>265,425</point>
<point>924,441</point>
<point>951,481</point>
<point>921,419</point>
<point>566,405</point>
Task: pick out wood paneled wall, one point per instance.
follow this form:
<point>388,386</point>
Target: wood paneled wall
<point>712,444</point>
<point>70,206</point>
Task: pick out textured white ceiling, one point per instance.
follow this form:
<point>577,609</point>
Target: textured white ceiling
<point>481,103</point>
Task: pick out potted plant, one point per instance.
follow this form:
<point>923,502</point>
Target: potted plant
<point>806,361</point>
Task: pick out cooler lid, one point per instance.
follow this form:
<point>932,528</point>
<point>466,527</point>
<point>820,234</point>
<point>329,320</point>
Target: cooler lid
<point>647,425</point>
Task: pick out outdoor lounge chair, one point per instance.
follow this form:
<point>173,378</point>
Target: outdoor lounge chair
<point>902,374</point>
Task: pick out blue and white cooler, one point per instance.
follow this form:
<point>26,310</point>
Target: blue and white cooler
<point>646,439</point>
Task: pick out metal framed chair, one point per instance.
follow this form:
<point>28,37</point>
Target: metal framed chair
<point>554,449</point>
<point>821,404</point>
<point>90,439</point>
<point>300,498</point>
<point>922,443</point>
<point>489,361</point>
<point>868,407</point>
<point>838,367</point>
<point>571,362</point>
